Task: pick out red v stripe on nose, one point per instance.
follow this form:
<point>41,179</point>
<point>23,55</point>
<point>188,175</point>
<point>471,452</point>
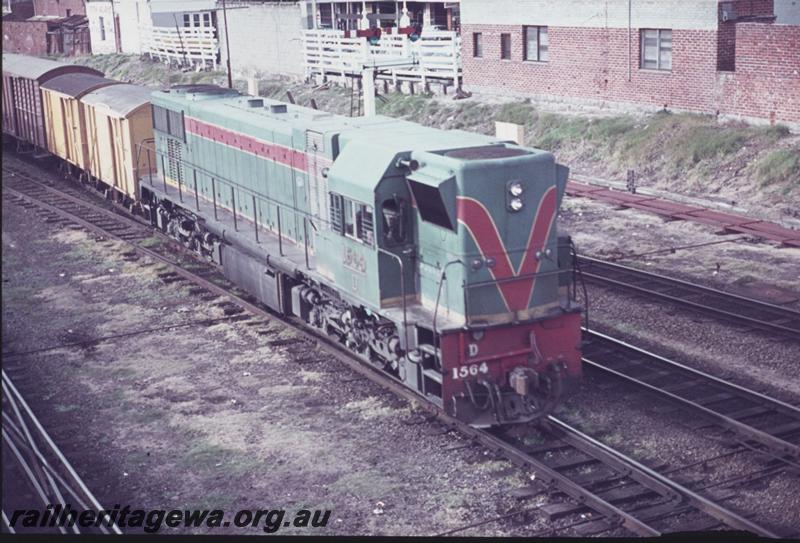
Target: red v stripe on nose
<point>481,226</point>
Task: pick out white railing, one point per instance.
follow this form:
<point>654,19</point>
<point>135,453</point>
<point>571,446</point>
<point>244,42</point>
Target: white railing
<point>435,55</point>
<point>185,46</point>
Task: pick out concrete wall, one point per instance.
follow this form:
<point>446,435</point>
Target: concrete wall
<point>787,12</point>
<point>98,13</point>
<point>676,14</point>
<point>264,38</point>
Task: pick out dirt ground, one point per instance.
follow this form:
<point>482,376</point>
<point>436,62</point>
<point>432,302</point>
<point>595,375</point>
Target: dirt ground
<point>731,263</point>
<point>641,425</point>
<point>212,416</point>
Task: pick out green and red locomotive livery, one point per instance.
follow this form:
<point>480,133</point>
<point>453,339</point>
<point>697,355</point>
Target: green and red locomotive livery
<point>432,254</point>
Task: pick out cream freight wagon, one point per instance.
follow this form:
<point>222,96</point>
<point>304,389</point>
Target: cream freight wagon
<point>118,120</point>
<point>65,125</point>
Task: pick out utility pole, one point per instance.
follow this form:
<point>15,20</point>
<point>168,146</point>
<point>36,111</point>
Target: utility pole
<point>227,44</point>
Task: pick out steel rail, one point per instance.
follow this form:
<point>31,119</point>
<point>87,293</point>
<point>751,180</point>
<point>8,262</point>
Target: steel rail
<point>7,524</point>
<point>786,321</point>
<point>773,442</point>
<point>606,510</point>
<point>518,457</point>
<point>52,447</point>
<point>715,510</point>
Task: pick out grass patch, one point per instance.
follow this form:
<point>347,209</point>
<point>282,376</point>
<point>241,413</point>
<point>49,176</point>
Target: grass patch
<point>780,166</point>
<point>204,457</point>
<point>705,142</point>
<point>61,408</point>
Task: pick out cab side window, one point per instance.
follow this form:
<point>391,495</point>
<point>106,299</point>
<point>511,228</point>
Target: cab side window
<point>349,219</point>
<point>364,224</point>
<point>352,219</point>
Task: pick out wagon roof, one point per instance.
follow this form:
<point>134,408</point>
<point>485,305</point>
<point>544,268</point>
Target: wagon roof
<point>36,68</point>
<point>77,84</point>
<point>121,100</point>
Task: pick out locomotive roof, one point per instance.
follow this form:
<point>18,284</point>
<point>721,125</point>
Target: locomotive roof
<point>36,68</point>
<point>119,100</point>
<point>76,85</point>
<point>366,147</point>
<point>255,113</point>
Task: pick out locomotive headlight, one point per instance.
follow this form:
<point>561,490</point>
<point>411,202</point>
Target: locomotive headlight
<point>516,204</point>
<point>515,189</point>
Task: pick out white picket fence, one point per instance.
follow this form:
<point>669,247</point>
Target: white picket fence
<point>185,46</point>
<point>435,55</point>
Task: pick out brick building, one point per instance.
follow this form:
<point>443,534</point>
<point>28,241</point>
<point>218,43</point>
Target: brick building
<point>42,27</point>
<point>732,58</point>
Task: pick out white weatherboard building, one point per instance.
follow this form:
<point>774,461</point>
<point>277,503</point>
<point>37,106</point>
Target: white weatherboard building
<point>102,26</point>
<point>182,32</point>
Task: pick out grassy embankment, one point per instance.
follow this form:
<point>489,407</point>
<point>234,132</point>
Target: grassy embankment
<point>753,167</point>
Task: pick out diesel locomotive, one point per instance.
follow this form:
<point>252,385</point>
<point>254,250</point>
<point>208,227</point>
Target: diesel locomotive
<point>433,255</point>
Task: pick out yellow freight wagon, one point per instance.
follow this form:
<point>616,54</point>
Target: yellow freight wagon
<point>119,120</point>
<point>65,125</point>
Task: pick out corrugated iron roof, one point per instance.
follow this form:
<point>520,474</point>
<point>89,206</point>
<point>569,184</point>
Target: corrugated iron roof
<point>119,100</point>
<point>36,68</point>
<point>77,84</point>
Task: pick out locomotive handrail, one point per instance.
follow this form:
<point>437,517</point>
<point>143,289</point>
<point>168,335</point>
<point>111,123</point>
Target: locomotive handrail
<point>442,279</point>
<point>381,250</point>
<point>239,187</point>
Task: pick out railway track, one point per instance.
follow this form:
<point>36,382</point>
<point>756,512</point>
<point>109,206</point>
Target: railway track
<point>720,304</point>
<point>758,420</point>
<point>621,493</point>
<point>43,466</point>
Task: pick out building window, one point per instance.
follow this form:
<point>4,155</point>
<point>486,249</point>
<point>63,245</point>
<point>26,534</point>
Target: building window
<point>505,46</point>
<point>477,45</point>
<point>206,19</point>
<point>196,19</point>
<point>536,43</point>
<point>187,20</point>
<point>102,29</point>
<point>656,49</point>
